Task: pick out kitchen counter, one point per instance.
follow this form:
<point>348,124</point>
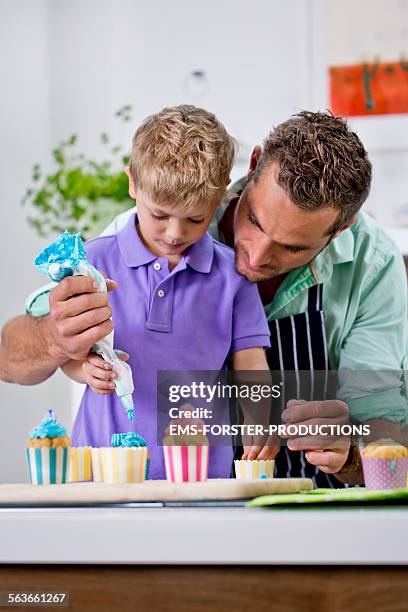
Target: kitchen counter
<point>224,535</point>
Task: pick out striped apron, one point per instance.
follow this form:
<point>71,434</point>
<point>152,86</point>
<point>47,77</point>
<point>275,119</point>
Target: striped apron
<point>298,343</point>
<point>299,352</point>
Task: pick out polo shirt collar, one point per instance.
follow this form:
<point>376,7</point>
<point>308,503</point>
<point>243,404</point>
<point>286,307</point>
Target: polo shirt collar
<point>132,249</point>
<point>199,256</point>
<point>340,250</point>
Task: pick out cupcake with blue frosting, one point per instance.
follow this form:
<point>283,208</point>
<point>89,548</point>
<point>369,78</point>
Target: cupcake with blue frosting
<point>126,460</point>
<point>47,452</point>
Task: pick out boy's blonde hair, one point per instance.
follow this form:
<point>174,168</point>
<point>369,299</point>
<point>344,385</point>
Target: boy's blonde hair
<point>182,155</point>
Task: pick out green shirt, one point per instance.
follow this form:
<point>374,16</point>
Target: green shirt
<point>365,307</point>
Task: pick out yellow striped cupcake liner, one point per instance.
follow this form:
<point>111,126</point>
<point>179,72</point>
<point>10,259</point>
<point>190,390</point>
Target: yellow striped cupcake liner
<point>122,464</point>
<point>80,464</point>
<point>96,465</point>
<point>251,470</point>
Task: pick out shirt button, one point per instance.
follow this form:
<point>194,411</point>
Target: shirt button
<point>156,265</point>
<point>160,293</point>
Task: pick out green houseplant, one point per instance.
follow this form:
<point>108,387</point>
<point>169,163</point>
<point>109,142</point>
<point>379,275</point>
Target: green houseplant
<point>79,194</point>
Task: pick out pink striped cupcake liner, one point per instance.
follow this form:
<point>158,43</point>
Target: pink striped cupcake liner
<point>186,463</point>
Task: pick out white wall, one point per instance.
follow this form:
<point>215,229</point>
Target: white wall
<point>24,140</point>
<point>256,58</point>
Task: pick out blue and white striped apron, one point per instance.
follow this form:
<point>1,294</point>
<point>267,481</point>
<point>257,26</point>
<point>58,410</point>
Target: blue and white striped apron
<point>298,343</point>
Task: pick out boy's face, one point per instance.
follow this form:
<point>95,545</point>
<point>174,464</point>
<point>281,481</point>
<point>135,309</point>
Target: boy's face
<point>168,231</point>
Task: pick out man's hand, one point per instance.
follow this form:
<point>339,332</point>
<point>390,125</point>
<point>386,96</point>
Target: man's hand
<point>79,317</point>
<point>328,452</point>
<point>32,348</point>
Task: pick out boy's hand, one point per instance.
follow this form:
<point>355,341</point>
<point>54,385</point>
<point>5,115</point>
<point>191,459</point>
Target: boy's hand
<point>99,374</point>
<point>266,452</point>
<point>260,447</point>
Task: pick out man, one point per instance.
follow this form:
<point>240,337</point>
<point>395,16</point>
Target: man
<point>332,283</point>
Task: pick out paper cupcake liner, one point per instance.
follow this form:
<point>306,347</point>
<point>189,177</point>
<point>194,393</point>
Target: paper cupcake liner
<point>253,469</point>
<point>48,465</point>
<point>96,465</point>
<point>186,463</point>
<point>382,473</point>
<point>80,464</point>
<point>120,465</point>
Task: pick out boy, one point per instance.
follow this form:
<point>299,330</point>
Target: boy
<point>180,304</point>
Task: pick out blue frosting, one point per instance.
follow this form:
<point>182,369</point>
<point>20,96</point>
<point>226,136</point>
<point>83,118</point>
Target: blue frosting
<point>127,401</point>
<point>130,439</point>
<point>66,252</point>
<point>48,428</point>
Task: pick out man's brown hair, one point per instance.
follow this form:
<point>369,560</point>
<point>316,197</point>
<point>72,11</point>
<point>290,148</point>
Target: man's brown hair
<point>322,163</point>
<point>182,155</point>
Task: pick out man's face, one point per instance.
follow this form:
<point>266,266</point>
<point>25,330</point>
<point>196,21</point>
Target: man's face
<point>273,235</point>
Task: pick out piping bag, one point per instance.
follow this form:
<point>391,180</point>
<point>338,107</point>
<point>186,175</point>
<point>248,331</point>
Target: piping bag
<point>64,257</point>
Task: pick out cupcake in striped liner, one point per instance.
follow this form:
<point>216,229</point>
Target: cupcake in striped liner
<point>186,458</point>
<point>252,469</point>
<point>127,460</point>
<point>385,465</point>
<point>80,464</point>
<point>47,452</point>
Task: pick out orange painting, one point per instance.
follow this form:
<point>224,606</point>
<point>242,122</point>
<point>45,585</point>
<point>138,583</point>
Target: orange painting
<point>379,88</point>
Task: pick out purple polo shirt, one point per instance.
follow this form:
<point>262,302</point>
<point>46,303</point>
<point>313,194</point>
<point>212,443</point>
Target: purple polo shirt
<point>191,318</point>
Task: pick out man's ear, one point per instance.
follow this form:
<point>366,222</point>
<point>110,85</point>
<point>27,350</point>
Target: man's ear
<point>132,189</point>
<point>256,154</point>
<point>349,224</point>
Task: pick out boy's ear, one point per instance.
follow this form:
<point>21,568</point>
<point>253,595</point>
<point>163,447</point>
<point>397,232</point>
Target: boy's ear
<point>132,189</point>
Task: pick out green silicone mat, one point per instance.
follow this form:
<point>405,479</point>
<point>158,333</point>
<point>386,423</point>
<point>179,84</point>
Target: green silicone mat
<point>352,495</point>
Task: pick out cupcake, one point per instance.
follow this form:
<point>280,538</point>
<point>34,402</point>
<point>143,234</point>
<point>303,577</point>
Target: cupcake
<point>47,452</point>
<point>186,458</point>
<point>80,464</point>
<point>253,469</point>
<point>127,460</point>
<point>385,465</point>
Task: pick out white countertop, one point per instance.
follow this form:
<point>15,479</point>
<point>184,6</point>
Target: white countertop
<point>204,535</point>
